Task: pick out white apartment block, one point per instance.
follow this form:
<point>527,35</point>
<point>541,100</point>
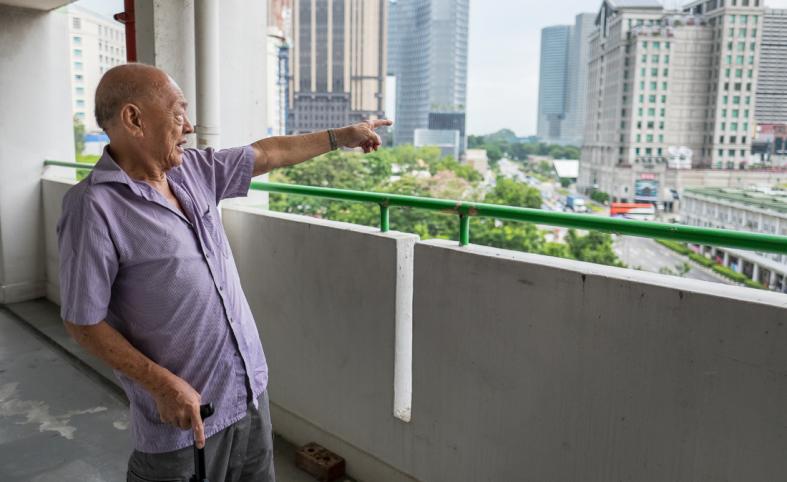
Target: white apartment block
<point>760,211</point>
<point>667,91</point>
<point>97,43</point>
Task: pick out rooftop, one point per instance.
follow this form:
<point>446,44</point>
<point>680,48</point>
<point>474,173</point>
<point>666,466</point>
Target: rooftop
<point>770,200</point>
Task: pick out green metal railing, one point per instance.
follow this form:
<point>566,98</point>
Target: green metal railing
<point>465,210</point>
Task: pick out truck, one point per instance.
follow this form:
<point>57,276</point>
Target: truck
<point>576,204</point>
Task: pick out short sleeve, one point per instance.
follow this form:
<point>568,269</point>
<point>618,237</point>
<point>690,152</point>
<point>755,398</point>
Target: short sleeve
<point>88,263</point>
<point>227,171</point>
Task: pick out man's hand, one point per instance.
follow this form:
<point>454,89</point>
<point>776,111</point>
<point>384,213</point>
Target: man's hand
<point>362,134</point>
<point>178,404</point>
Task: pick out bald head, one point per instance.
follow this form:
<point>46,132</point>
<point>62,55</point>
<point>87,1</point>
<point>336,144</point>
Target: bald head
<point>124,84</point>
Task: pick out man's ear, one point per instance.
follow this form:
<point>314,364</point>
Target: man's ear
<point>131,119</point>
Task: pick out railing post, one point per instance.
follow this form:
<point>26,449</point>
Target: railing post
<point>464,230</point>
<point>384,218</point>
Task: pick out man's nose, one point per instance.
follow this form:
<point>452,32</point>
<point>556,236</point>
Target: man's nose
<point>187,127</point>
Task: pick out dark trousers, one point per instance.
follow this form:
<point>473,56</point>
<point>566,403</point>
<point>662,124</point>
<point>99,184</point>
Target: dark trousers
<point>241,452</point>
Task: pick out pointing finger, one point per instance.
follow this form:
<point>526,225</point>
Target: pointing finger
<point>377,123</point>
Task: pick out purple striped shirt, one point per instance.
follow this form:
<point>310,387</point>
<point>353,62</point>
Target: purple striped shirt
<point>167,282</point>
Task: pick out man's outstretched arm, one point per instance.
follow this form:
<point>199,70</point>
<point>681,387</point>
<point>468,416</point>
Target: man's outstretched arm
<point>280,151</point>
<point>177,402</point>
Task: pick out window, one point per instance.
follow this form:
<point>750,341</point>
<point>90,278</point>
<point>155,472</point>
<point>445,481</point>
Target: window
<point>738,73</point>
<point>654,85</point>
<point>741,46</point>
<point>727,73</point>
<point>76,23</point>
<point>652,111</point>
<point>663,99</point>
<point>649,138</point>
<point>652,99</point>
<point>664,85</point>
<point>748,100</point>
<point>636,151</point>
<point>736,99</point>
<point>77,52</point>
<point>639,112</point>
<point>742,33</point>
<point>641,99</point>
<point>654,72</point>
<point>656,45</point>
<point>80,91</point>
<point>739,59</point>
<point>751,59</point>
<point>78,40</point>
<point>80,115</point>
<point>639,138</point>
<point>77,65</point>
<point>80,103</point>
<point>666,72</point>
<point>724,113</point>
<point>753,33</point>
<point>655,59</point>
<point>661,138</point>
<point>645,44</point>
<point>662,112</point>
<point>725,100</point>
<point>734,126</point>
<point>78,77</point>
<point>666,59</point>
<point>642,85</point>
<point>728,59</point>
<point>650,124</point>
<point>644,58</point>
<point>724,128</point>
<point>732,19</point>
<point>661,125</point>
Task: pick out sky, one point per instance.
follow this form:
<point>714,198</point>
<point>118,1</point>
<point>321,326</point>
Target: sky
<point>503,57</point>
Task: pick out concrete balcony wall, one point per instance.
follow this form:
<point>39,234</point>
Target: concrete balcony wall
<point>53,190</point>
<point>534,368</point>
<point>524,367</point>
<point>327,298</point>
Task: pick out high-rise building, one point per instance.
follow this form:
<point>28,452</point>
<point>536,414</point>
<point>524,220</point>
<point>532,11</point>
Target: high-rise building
<point>338,63</point>
<point>553,75</point>
<point>771,86</point>
<point>429,48</point>
<point>562,84</point>
<point>669,90</point>
<point>97,43</point>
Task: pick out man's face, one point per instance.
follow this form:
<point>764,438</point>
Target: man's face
<point>168,126</point>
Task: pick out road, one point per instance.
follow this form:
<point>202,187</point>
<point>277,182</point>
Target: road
<point>648,255</point>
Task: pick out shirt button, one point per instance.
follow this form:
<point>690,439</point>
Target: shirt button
<point>221,288</point>
<point>207,255</point>
<point>230,319</point>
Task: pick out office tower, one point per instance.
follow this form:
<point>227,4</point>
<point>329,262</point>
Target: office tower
<point>97,43</point>
<point>563,81</point>
<point>338,63</point>
<point>772,83</point>
<point>429,45</point>
<point>667,91</point>
<point>553,75</point>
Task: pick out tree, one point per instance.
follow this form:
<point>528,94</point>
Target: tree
<point>593,247</point>
<point>509,192</point>
<point>493,152</point>
<point>79,136</point>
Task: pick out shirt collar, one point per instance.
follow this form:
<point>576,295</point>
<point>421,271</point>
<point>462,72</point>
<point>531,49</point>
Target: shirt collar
<point>107,170</point>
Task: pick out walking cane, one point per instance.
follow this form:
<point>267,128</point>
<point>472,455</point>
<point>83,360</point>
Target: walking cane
<point>205,411</point>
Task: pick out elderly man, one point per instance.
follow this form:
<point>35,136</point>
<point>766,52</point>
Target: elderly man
<point>149,285</point>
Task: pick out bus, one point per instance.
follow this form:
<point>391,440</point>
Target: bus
<point>638,211</point>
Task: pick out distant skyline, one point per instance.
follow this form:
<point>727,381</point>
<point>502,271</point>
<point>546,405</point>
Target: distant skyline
<point>503,57</point>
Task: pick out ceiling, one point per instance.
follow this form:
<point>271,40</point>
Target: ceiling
<point>36,4</point>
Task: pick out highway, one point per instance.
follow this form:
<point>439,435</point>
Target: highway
<point>648,255</point>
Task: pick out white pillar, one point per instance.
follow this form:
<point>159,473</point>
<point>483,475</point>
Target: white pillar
<point>726,259</point>
<point>755,274</point>
<point>206,35</point>
<point>35,124</point>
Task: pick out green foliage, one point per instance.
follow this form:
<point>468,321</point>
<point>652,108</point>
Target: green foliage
<point>677,247</point>
<point>79,136</point>
<point>493,152</point>
<point>696,257</point>
<point>565,182</point>
<point>85,159</point>
<point>599,196</point>
<point>737,277</point>
<point>423,172</point>
<point>593,247</point>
